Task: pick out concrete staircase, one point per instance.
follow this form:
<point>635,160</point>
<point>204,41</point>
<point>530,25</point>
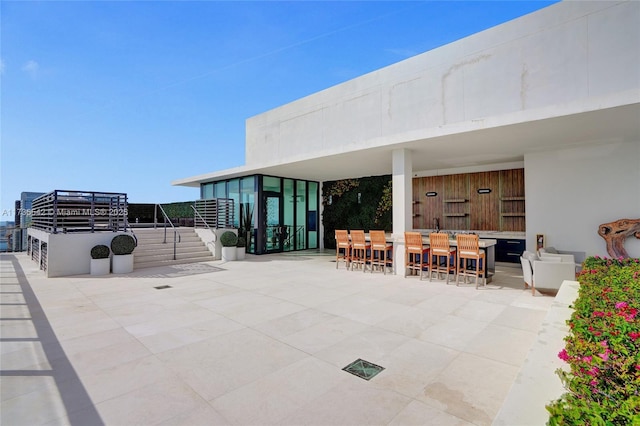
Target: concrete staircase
<point>151,251</point>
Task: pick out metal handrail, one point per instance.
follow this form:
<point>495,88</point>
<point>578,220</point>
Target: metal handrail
<point>175,231</point>
<point>215,237</point>
<point>201,218</point>
<point>127,225</point>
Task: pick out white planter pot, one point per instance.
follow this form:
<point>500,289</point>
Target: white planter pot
<point>100,266</point>
<point>229,253</point>
<point>240,255</point>
<point>122,263</point>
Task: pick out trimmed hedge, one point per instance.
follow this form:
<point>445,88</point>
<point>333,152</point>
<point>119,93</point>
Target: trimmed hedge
<point>603,348</point>
<point>228,239</point>
<point>100,252</point>
<point>123,244</point>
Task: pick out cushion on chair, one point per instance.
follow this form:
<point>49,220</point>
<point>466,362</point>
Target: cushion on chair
<point>549,250</point>
<point>531,257</point>
<point>547,258</point>
<point>557,257</point>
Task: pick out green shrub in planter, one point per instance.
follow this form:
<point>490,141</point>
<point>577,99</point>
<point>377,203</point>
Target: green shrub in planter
<point>123,244</point>
<point>100,252</point>
<point>228,239</point>
<point>242,242</point>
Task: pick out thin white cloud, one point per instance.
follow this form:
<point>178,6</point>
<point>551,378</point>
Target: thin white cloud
<point>31,68</point>
<point>405,53</point>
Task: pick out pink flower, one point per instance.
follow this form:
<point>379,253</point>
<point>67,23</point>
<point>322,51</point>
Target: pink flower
<point>598,314</point>
<point>604,356</point>
<point>563,355</point>
<point>587,359</point>
<point>594,383</point>
<point>634,335</point>
<point>604,344</point>
<point>621,305</point>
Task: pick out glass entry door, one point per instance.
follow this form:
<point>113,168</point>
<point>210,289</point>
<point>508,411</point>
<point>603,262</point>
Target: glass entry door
<point>275,231</point>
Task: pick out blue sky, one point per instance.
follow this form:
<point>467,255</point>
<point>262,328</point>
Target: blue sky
<point>123,96</point>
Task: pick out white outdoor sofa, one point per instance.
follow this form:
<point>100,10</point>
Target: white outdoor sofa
<point>546,273</point>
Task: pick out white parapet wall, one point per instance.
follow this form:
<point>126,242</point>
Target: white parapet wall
<point>210,239</point>
<point>70,254</point>
<point>537,384</point>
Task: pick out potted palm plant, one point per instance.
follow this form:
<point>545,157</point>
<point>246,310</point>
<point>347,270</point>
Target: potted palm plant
<point>229,240</point>
<point>100,263</point>
<point>122,247</point>
<point>246,224</point>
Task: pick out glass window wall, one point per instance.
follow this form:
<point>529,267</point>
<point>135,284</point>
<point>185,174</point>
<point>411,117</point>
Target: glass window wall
<point>312,215</point>
<point>301,215</point>
<point>278,214</point>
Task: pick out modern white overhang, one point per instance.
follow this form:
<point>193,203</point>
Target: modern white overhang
<point>468,144</point>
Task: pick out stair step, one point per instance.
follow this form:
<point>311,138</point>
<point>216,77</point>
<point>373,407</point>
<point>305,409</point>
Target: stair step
<point>146,257</point>
<point>169,246</point>
<point>157,263</point>
<point>153,251</point>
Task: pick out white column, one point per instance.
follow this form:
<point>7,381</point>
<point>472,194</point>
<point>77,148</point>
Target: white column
<point>402,202</point>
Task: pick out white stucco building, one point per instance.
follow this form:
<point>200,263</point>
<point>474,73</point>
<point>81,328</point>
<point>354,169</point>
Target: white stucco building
<point>555,92</point>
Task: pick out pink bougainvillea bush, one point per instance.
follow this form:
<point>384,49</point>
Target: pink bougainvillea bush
<point>603,348</point>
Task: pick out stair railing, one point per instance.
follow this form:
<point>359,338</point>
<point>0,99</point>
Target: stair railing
<point>176,234</point>
<point>215,237</point>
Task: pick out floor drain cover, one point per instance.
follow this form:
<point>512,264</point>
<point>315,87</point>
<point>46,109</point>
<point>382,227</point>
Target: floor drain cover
<point>162,287</point>
<point>363,369</point>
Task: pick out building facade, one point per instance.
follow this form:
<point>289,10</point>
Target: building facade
<point>555,92</point>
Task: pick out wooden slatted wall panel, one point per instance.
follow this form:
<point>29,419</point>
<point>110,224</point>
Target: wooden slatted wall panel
<point>484,215</point>
<point>417,209</point>
<point>427,208</point>
<point>502,209</point>
<point>456,202</point>
<point>512,202</point>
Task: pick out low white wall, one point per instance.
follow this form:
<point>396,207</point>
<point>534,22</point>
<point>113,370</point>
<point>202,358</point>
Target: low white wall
<point>70,254</point>
<point>210,239</point>
<point>537,384</point>
<point>570,192</point>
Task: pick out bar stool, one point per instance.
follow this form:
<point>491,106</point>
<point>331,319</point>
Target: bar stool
<point>379,250</point>
<point>416,257</point>
<point>343,247</point>
<point>359,247</point>
<point>469,254</point>
<point>443,256</point>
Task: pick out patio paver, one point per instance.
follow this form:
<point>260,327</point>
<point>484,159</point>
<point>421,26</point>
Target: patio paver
<point>260,341</point>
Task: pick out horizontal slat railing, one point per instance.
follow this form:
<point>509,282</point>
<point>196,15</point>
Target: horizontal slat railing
<point>77,211</point>
<point>215,213</point>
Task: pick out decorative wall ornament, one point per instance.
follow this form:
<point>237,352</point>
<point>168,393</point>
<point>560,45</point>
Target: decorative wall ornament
<point>615,233</point>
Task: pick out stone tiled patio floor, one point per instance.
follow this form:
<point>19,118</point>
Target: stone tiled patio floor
<point>261,341</point>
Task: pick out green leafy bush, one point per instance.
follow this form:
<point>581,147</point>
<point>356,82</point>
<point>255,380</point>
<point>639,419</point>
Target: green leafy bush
<point>603,348</point>
<point>344,209</point>
<point>100,252</point>
<point>123,244</point>
<point>228,239</point>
